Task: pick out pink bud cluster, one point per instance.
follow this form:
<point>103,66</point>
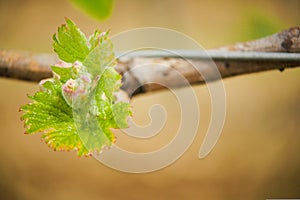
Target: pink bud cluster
<point>76,89</point>
<point>63,64</point>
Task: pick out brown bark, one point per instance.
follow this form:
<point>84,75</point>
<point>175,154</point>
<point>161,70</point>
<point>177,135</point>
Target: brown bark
<point>284,41</point>
<point>166,71</point>
<point>25,66</point>
<point>159,73</point>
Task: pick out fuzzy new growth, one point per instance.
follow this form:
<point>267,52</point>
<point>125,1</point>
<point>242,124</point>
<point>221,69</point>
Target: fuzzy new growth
<point>70,109</point>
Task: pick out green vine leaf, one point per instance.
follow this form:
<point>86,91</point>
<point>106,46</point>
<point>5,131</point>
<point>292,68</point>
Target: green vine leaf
<point>76,109</point>
<point>70,43</point>
<point>101,53</point>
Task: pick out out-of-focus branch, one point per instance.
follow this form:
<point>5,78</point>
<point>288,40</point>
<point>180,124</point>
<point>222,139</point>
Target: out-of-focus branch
<point>167,70</point>
<point>284,41</point>
<point>26,66</point>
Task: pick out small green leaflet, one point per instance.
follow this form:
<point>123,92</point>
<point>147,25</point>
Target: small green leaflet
<point>70,43</point>
<point>76,109</point>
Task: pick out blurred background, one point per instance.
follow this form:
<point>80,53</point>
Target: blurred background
<point>257,156</point>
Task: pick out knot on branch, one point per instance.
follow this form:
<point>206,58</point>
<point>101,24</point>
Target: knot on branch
<point>291,39</point>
